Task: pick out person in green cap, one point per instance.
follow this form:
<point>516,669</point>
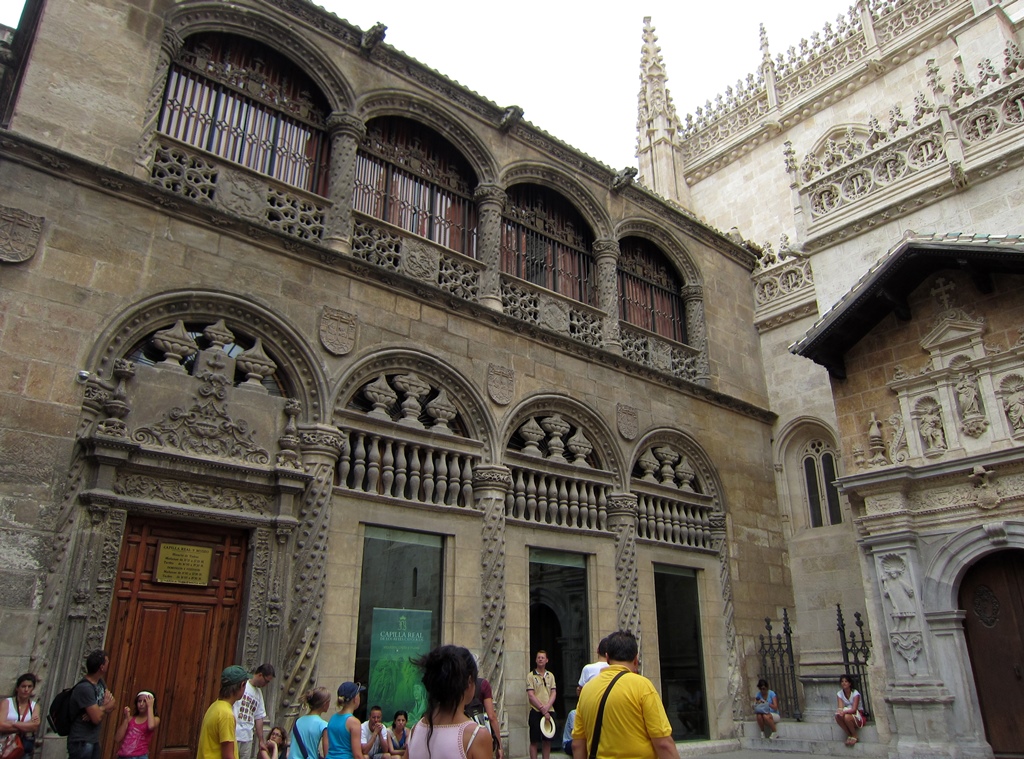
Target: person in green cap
<point>217,735</point>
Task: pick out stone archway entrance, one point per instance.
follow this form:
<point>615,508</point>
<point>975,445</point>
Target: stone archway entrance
<point>992,595</point>
<point>173,638</point>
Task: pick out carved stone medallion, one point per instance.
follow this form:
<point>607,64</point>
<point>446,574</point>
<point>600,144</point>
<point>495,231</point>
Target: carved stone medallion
<point>501,382</point>
<point>19,235</point>
<point>627,420</point>
<point>241,194</point>
<point>337,330</point>
<point>986,606</point>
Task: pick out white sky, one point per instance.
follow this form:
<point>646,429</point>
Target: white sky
<point>574,67</point>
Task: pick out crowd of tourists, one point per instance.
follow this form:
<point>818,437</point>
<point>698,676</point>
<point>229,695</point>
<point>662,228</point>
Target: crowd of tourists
<point>619,713</point>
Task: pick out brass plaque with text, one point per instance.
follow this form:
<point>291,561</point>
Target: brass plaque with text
<point>183,564</point>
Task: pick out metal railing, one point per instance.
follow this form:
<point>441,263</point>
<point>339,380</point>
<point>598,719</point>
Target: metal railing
<point>779,668</point>
<point>856,649</point>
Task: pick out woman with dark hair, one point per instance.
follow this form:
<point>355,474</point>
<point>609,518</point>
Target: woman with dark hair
<point>766,709</point>
<point>449,677</point>
<point>135,732</point>
<point>849,710</point>
<point>398,735</point>
<point>19,715</point>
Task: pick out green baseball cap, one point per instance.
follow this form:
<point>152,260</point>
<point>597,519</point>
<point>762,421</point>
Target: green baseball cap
<point>234,675</point>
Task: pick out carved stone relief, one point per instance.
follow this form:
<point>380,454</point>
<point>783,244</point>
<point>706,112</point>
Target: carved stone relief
<point>627,421</point>
<point>420,261</point>
<point>192,493</point>
<point>501,384</point>
<point>241,194</point>
<point>20,233</point>
<point>337,330</point>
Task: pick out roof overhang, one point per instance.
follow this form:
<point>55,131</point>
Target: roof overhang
<point>887,286</point>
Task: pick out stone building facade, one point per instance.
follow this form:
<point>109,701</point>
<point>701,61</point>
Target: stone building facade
<point>296,331</point>
<point>876,171</point>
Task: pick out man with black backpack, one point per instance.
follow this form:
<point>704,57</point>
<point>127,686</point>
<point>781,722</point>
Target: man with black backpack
<point>90,703</point>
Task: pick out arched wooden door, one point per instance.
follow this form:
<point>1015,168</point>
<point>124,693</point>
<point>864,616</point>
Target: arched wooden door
<point>170,638</point>
<point>992,595</point>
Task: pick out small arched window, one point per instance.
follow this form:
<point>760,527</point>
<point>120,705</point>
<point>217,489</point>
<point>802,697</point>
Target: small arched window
<point>240,100</point>
<point>410,176</point>
<point>649,290</point>
<point>546,241</point>
<point>819,467</point>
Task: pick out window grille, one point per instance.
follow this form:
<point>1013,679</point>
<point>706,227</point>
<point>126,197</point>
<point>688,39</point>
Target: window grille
<point>649,290</point>
<point>544,240</point>
<point>240,100</point>
<point>410,176</point>
<point>819,464</point>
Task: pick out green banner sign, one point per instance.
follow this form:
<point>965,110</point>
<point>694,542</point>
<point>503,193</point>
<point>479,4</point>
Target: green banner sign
<point>398,636</point>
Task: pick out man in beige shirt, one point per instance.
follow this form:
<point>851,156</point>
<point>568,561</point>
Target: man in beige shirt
<point>540,690</point>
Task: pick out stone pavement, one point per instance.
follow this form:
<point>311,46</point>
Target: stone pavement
<point>725,749</point>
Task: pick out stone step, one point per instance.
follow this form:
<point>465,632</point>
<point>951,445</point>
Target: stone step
<point>817,738</point>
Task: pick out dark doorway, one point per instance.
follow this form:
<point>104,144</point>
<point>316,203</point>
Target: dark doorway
<point>559,620</point>
<point>681,653</point>
<point>992,595</point>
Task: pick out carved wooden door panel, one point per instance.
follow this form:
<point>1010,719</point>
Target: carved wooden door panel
<point>992,594</point>
<point>173,639</point>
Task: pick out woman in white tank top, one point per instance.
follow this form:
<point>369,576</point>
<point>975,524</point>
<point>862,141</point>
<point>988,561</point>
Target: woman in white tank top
<point>445,732</point>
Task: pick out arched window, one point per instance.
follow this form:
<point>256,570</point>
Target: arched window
<point>546,241</point>
<point>240,100</point>
<point>649,290</point>
<point>819,467</point>
<point>410,176</point>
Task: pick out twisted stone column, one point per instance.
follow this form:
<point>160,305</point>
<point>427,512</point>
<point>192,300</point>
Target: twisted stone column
<point>490,485</point>
<point>320,445</point>
<point>622,520</point>
<point>346,132</point>
<point>606,253</point>
<point>696,331</point>
<point>490,201</point>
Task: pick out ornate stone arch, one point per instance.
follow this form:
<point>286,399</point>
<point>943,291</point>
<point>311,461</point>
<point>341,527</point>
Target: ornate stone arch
<point>555,179</point>
<point>298,360</point>
<point>667,242</point>
<point>704,470</point>
<point>479,424</point>
<point>577,414</point>
<point>412,106</point>
<point>790,442</point>
<point>186,19</point>
<point>941,583</point>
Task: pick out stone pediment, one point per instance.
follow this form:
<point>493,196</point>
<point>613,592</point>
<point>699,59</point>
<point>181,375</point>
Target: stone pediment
<point>955,334</point>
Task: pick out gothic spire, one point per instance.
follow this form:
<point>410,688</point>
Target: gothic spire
<point>656,113</point>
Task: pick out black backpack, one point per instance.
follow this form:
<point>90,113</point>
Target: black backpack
<point>59,716</point>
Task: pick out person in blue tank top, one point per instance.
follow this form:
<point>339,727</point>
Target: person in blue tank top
<point>309,734</point>
<point>343,729</point>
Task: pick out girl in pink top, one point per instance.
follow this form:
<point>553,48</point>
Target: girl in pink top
<point>135,732</point>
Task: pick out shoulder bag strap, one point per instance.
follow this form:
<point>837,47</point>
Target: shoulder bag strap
<point>302,746</point>
<point>600,715</point>
<point>472,738</point>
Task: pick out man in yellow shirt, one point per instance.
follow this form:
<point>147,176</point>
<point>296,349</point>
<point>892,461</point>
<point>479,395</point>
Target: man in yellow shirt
<point>634,724</point>
<point>217,735</point>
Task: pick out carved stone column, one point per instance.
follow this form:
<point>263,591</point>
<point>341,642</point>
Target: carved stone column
<point>490,201</point>
<point>606,253</point>
<point>696,331</point>
<point>170,46</point>
<point>490,484</point>
<point>916,693</point>
<point>622,520</point>
<point>967,727</point>
<point>345,131</point>
<point>320,445</point>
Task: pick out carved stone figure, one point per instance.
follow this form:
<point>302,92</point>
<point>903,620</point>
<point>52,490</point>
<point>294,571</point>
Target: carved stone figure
<point>1013,403</point>
<point>898,591</point>
<point>967,395</point>
<point>932,436</point>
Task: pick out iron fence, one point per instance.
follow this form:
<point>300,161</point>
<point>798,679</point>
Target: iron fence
<point>856,649</point>
<point>779,668</point>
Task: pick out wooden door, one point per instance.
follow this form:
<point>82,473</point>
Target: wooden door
<point>992,595</point>
<point>170,639</point>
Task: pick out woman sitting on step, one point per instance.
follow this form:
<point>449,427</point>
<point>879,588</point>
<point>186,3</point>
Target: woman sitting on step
<point>849,712</point>
<point>766,709</point>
